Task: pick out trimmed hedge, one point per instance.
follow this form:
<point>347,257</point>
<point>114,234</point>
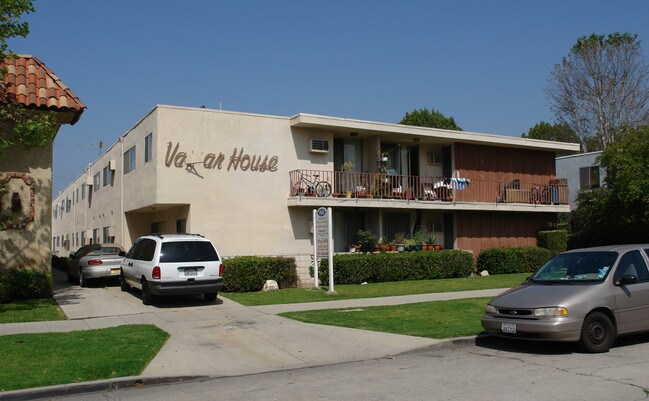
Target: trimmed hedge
<point>20,284</point>
<point>554,240</point>
<point>249,273</point>
<point>513,260</point>
<point>382,267</point>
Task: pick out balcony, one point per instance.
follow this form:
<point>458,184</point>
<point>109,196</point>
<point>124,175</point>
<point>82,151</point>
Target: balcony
<point>318,187</point>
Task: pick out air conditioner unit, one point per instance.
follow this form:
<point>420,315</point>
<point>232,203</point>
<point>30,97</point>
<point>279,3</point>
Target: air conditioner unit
<point>89,181</point>
<point>319,146</point>
<point>112,165</point>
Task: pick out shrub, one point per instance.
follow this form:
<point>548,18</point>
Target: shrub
<point>249,273</point>
<point>555,240</point>
<point>20,284</point>
<point>513,260</point>
<point>382,267</point>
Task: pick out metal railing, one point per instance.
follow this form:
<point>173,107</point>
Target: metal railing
<point>319,183</point>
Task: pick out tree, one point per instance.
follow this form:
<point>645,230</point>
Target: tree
<point>429,118</point>
<point>552,132</point>
<point>19,125</point>
<point>601,87</point>
<point>619,212</point>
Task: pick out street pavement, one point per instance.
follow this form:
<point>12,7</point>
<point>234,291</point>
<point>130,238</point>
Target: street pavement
<point>222,338</point>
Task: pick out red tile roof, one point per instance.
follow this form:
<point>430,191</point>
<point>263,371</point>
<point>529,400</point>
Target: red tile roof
<point>29,82</point>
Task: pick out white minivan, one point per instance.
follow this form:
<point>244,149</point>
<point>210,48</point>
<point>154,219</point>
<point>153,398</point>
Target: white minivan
<point>172,264</point>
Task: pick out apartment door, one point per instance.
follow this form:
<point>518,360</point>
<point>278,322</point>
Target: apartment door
<point>346,225</point>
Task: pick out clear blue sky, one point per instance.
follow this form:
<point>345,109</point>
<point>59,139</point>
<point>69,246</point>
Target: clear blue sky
<point>485,63</point>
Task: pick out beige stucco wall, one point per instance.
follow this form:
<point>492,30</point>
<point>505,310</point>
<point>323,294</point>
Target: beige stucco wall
<point>243,211</point>
<point>30,246</point>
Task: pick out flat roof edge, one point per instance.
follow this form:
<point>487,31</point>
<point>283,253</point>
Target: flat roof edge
<point>311,120</point>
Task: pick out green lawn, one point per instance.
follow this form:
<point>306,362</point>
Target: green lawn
<point>34,310</point>
<point>35,360</point>
<point>439,319</point>
<point>349,291</point>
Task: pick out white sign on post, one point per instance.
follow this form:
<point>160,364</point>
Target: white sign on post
<point>322,233</point>
<point>322,240</point>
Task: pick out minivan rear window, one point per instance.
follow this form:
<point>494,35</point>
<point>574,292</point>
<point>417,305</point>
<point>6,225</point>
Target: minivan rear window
<point>188,251</point>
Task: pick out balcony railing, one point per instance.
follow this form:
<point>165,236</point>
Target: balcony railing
<point>320,183</point>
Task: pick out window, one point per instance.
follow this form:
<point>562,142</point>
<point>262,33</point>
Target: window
<point>77,195</point>
<point>83,191</point>
<point>77,238</point>
<point>95,236</point>
<point>178,251</point>
<point>83,238</point>
<point>108,239</point>
<point>436,226</point>
<point>95,182</point>
<point>129,160</point>
<point>589,177</point>
<point>108,176</point>
<point>143,250</point>
<point>56,210</point>
<point>68,204</point>
<point>632,264</point>
<point>148,148</point>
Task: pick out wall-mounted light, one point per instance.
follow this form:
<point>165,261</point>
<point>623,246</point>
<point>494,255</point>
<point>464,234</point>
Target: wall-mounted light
<point>353,134</point>
<point>415,140</point>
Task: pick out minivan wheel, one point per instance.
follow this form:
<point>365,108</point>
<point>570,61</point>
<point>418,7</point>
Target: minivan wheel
<point>147,297</point>
<point>123,285</point>
<point>210,296</point>
<point>83,282</point>
<point>597,333</point>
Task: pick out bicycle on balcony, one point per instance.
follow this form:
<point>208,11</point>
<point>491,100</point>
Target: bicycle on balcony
<point>312,187</point>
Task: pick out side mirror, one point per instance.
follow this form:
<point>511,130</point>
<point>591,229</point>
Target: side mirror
<point>122,253</point>
<point>627,279</point>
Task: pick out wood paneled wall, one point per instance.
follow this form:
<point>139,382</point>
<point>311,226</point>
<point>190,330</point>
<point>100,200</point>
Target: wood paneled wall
<point>504,164</point>
<point>481,230</point>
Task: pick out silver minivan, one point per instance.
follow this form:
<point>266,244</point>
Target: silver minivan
<point>589,296</point>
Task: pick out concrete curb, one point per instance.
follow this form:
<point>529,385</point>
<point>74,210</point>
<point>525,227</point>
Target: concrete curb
<point>64,390</point>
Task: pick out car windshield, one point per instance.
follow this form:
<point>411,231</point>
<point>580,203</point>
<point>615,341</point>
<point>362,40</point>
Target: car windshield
<point>577,266</point>
<point>187,251</point>
<point>108,249</point>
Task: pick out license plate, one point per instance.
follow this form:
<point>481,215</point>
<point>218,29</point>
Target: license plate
<point>509,328</point>
<point>190,272</point>
<point>114,272</point>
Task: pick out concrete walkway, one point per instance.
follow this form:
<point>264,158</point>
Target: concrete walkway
<point>367,302</point>
<point>225,338</point>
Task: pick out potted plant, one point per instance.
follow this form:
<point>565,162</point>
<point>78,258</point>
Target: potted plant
<point>347,166</point>
<point>400,241</point>
<point>430,239</point>
<point>383,245</point>
<point>366,239</point>
<point>410,244</point>
<point>417,239</point>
